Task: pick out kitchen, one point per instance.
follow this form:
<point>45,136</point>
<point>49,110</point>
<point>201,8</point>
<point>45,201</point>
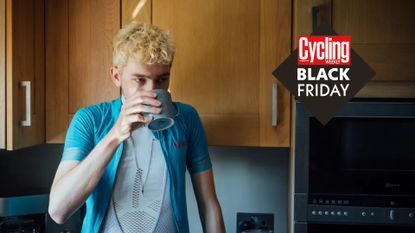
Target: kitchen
<point>226,52</point>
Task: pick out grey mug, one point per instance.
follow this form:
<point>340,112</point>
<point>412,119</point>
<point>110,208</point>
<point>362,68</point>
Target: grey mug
<point>165,119</point>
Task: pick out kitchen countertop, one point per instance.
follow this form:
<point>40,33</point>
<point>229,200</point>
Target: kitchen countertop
<point>28,171</point>
<point>26,176</point>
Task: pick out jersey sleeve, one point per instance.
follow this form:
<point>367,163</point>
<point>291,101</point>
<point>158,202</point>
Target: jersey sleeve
<point>198,158</point>
<point>79,139</point>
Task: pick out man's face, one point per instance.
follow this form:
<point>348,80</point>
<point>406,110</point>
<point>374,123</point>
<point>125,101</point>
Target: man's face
<point>138,76</point>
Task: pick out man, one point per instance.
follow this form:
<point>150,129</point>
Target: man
<point>133,179</point>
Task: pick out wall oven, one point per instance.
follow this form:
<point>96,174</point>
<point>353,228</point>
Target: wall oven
<point>356,173</point>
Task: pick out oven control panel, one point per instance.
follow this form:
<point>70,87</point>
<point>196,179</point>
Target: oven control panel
<point>360,214</point>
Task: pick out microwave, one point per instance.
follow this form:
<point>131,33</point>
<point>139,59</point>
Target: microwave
<point>358,170</point>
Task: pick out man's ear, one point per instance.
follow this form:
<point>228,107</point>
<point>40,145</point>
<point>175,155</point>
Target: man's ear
<point>115,76</point>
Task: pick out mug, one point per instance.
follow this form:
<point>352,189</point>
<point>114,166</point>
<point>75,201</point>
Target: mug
<point>165,119</point>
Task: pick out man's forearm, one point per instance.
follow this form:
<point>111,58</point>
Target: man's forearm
<point>212,219</point>
<point>71,190</point>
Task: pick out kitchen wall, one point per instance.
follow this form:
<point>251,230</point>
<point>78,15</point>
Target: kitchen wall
<point>247,180</point>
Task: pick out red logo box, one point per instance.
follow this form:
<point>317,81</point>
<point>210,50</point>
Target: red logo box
<point>324,50</point>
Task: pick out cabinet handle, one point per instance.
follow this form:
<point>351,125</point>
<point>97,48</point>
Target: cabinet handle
<point>274,104</point>
<point>28,120</point>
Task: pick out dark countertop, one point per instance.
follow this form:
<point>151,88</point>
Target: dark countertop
<point>28,171</point>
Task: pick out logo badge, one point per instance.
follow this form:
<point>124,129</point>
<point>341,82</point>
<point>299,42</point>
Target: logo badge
<point>324,72</point>
<point>324,50</point>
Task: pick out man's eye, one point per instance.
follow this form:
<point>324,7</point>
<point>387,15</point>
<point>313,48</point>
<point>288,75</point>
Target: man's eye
<point>140,80</point>
<point>162,80</point>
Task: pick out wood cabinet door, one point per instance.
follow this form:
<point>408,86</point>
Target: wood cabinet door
<point>382,33</point>
<point>25,74</point>
<point>226,52</point>
<point>78,59</point>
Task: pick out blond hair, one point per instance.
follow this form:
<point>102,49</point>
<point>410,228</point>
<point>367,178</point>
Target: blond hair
<point>144,43</point>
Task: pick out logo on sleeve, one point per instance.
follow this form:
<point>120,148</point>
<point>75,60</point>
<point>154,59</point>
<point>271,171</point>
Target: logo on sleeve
<point>180,144</point>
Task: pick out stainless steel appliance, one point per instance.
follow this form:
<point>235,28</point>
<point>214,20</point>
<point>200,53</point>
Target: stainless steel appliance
<point>356,174</point>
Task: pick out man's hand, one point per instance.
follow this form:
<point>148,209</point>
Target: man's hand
<point>131,115</point>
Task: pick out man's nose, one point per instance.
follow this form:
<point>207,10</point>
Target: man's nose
<point>150,85</point>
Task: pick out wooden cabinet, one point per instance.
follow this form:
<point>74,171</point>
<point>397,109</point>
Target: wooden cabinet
<point>22,74</point>
<point>226,52</point>
<point>382,31</point>
<point>78,59</point>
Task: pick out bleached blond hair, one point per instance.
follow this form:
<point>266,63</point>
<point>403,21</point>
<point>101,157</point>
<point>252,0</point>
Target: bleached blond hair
<point>144,43</point>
